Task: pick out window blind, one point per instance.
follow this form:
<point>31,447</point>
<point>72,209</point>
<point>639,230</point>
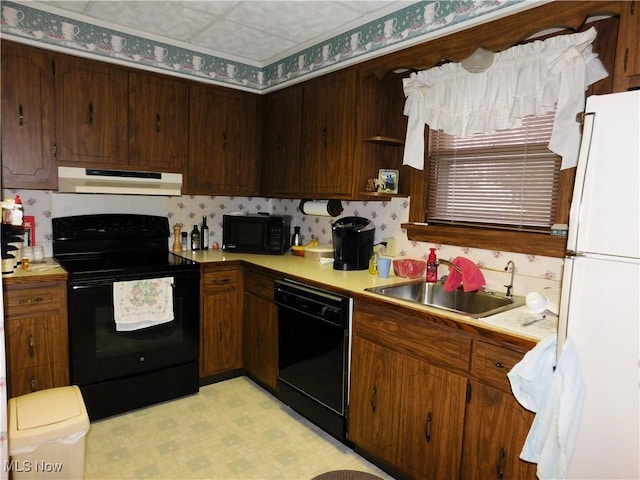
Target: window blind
<point>509,179</point>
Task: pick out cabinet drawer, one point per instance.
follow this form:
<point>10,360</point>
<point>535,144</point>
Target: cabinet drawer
<point>491,363</point>
<point>259,284</point>
<point>216,280</point>
<point>412,336</point>
<point>17,301</point>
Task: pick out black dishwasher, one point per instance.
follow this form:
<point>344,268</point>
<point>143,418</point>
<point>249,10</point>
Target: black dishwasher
<point>313,353</point>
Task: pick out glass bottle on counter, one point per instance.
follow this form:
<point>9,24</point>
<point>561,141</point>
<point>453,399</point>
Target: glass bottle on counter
<point>204,235</point>
<point>195,238</point>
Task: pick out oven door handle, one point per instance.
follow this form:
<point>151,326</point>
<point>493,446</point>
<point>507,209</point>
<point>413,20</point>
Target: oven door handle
<point>92,283</point>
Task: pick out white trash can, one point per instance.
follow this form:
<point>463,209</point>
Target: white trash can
<point>47,431</point>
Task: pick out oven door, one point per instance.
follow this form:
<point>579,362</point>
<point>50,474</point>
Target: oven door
<point>98,352</point>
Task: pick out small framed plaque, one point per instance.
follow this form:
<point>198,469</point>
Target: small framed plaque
<point>387,181</point>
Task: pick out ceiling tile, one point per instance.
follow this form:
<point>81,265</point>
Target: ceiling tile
<point>297,21</point>
<point>169,19</point>
<point>230,38</point>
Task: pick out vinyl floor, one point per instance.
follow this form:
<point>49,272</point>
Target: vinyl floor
<point>229,430</point>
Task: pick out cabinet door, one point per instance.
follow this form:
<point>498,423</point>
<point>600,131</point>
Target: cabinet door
<point>328,131</point>
<point>158,122</point>
<point>28,123</point>
<point>36,353</point>
<point>496,429</point>
<point>432,421</point>
<point>221,323</point>
<point>91,111</point>
<point>260,349</point>
<point>282,130</point>
<point>224,142</point>
<point>374,399</point>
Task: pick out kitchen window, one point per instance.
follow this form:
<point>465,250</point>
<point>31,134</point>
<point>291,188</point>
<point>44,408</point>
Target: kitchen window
<point>508,180</point>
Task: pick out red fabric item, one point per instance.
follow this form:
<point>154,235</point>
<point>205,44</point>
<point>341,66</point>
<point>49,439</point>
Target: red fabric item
<point>472,278</point>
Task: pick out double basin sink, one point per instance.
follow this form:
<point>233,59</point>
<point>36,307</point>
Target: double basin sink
<point>475,304</point>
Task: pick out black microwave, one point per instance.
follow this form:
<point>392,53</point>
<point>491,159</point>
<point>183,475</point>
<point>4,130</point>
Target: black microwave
<point>258,233</point>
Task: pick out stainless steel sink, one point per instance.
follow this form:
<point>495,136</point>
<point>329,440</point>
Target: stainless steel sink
<point>473,304</point>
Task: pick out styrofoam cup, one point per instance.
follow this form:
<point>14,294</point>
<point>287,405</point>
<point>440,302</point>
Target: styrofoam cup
<point>536,302</point>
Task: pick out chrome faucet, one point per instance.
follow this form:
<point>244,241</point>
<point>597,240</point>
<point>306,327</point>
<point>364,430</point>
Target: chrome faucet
<point>513,271</point>
<point>447,262</point>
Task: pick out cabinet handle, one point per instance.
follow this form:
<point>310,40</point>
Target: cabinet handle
<point>158,122</point>
<point>224,140</point>
<point>20,116</point>
<point>220,281</point>
<point>626,58</point>
<point>501,366</point>
<point>374,398</point>
<point>220,333</point>
<point>32,350</point>
<point>32,383</point>
<point>324,136</point>
<point>24,301</point>
<point>259,340</point>
<point>90,113</point>
<point>501,456</point>
<point>427,428</point>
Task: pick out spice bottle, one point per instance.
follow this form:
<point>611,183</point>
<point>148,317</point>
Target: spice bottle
<point>432,267</point>
<point>184,236</point>
<point>195,238</point>
<point>204,235</point>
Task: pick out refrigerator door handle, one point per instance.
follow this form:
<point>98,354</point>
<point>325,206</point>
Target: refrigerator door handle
<point>581,172</point>
<point>563,311</point>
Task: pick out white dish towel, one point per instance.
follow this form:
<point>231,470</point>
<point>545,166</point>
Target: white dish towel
<point>142,303</point>
<point>557,398</point>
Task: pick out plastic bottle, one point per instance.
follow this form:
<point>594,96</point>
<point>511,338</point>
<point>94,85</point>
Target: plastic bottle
<point>432,267</point>
<point>17,216</point>
<point>204,235</point>
<point>296,240</point>
<point>373,262</point>
<point>195,238</point>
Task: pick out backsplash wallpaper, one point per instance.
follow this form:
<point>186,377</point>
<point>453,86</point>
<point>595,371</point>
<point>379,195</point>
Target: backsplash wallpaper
<point>533,272</point>
<point>418,22</point>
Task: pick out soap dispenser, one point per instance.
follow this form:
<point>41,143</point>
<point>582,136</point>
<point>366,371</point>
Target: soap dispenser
<point>432,267</point>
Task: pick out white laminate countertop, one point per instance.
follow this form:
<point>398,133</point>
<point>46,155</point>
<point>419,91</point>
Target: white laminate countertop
<point>509,322</point>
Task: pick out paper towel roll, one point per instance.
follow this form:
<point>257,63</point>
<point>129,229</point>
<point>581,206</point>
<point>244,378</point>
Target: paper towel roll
<point>321,208</point>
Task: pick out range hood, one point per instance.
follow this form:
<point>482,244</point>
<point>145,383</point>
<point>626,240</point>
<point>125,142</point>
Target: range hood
<point>127,182</point>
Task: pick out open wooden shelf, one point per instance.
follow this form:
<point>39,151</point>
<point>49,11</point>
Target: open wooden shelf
<point>382,140</point>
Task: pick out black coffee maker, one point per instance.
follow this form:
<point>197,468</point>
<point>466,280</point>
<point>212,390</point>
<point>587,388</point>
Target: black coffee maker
<point>352,243</point>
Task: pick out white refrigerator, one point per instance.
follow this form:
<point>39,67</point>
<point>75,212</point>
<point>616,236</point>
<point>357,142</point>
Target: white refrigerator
<point>600,302</point>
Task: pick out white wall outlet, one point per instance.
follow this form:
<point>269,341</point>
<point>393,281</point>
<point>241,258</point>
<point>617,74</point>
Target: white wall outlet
<point>390,249</point>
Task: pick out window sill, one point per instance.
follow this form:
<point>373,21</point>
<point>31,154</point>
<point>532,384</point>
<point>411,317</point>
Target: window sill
<point>490,239</point>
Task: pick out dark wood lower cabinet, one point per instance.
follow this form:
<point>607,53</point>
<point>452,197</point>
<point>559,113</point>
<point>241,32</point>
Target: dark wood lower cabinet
<point>429,415</point>
<point>495,432</point>
<point>260,342</point>
<point>220,320</point>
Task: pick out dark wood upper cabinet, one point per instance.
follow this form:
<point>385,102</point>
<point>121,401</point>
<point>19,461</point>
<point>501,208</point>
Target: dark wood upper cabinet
<point>28,123</point>
<point>328,135</point>
<point>158,122</point>
<point>281,142</point>
<point>224,142</point>
<point>91,107</point>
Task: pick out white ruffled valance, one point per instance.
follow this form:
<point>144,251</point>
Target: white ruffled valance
<point>530,79</point>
